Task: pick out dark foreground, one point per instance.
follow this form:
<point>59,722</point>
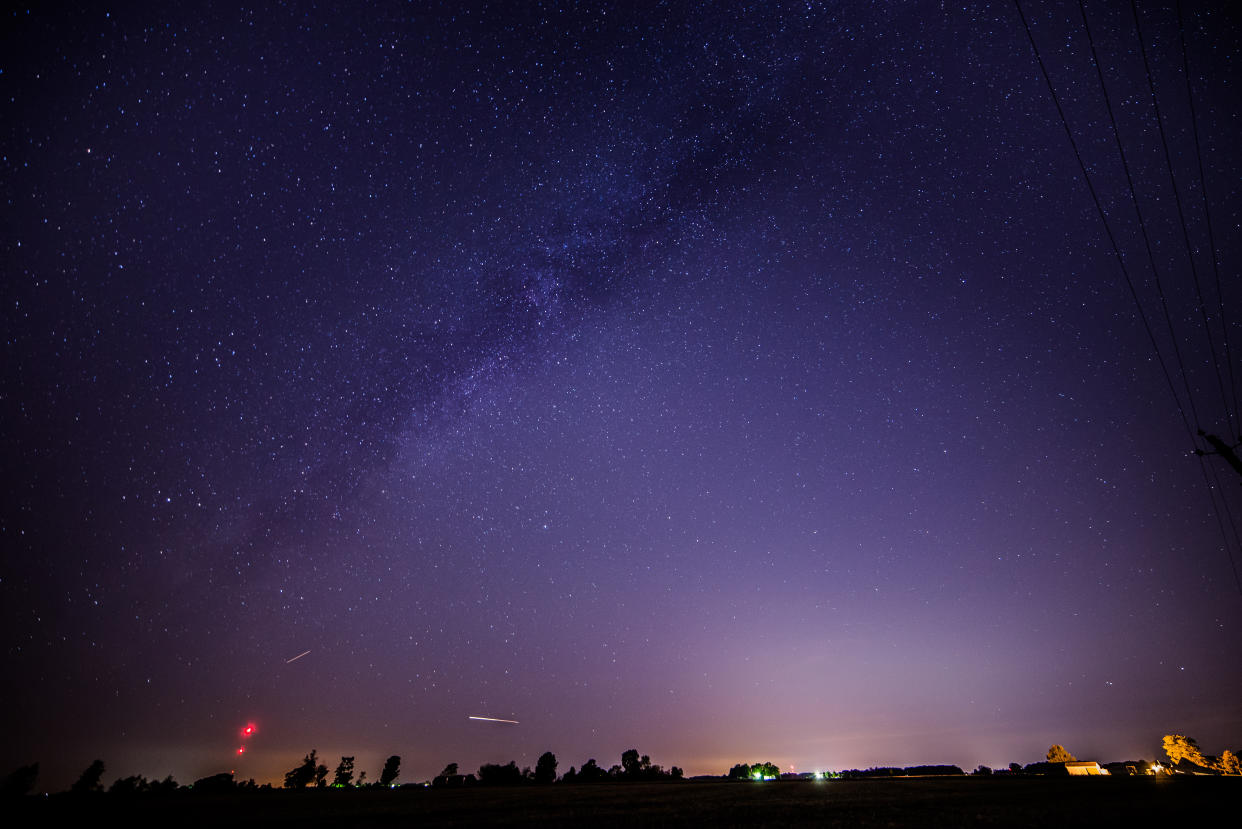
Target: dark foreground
<point>924,802</point>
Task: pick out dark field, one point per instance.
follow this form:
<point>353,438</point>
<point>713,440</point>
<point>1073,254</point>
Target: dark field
<point>1036,802</point>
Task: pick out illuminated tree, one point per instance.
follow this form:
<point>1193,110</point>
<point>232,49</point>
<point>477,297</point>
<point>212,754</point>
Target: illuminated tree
<point>304,773</point>
<point>392,767</point>
<point>545,768</point>
<point>89,781</point>
<point>765,771</point>
<point>344,774</point>
<point>1058,754</point>
<point>1180,747</point>
<point>1229,763</point>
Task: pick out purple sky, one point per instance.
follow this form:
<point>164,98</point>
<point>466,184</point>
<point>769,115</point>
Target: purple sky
<point>734,385</point>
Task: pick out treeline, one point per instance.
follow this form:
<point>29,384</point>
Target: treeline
<point>633,767</point>
<point>908,771</point>
<point>1183,752</point>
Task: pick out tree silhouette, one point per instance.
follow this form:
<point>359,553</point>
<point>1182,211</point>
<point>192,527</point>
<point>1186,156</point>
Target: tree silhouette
<point>591,772</point>
<point>633,765</point>
<point>392,767</point>
<point>216,784</point>
<point>344,775</point>
<point>163,786</point>
<point>740,772</point>
<point>89,781</point>
<point>304,773</point>
<point>321,776</point>
<point>1058,754</point>
<point>137,784</point>
<point>20,781</point>
<point>493,774</point>
<point>545,768</point>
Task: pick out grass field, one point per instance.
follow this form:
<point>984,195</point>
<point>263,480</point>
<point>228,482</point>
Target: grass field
<point>1047,803</point>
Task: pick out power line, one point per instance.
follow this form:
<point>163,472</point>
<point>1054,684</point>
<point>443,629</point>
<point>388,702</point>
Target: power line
<point>1181,217</point>
<point>1099,209</point>
<point>1217,508</point>
<point>1138,212</point>
<point>1207,213</point>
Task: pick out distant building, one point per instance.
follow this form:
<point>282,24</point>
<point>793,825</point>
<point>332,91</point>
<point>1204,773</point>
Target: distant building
<point>1081,768</point>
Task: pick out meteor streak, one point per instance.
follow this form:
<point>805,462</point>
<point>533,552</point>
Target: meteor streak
<point>493,719</point>
<point>296,658</point>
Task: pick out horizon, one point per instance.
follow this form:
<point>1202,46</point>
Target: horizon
<point>736,384</point>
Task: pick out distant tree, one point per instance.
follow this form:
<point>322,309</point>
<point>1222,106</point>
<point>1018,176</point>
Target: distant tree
<point>216,783</point>
<point>1015,767</point>
<point>20,781</point>
<point>449,770</point>
<point>590,772</point>
<point>136,784</point>
<point>344,774</point>
<point>926,771</point>
<point>362,779</point>
<point>765,771</point>
<point>631,763</point>
<point>570,776</point>
<point>676,773</point>
<point>163,786</point>
<point>1058,754</point>
<point>392,767</point>
<point>1229,763</point>
<point>301,776</point>
<point>321,776</point>
<point>545,768</point>
<point>1180,747</point>
<point>494,774</point>
<point>740,772</point>
<point>89,781</point>
<point>983,771</point>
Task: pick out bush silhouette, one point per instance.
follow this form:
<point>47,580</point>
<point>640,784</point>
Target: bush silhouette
<point>20,781</point>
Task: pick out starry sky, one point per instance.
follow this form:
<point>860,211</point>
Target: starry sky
<point>735,382</point>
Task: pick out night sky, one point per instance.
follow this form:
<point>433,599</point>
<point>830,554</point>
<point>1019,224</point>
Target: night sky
<point>732,382</point>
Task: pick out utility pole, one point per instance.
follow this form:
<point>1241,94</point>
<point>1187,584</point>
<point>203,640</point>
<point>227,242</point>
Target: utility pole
<point>1223,449</point>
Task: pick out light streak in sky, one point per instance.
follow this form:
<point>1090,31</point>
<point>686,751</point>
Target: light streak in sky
<point>493,719</point>
<point>296,658</point>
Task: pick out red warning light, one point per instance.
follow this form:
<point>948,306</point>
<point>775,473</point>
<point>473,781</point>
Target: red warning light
<point>248,730</point>
<point>241,749</point>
